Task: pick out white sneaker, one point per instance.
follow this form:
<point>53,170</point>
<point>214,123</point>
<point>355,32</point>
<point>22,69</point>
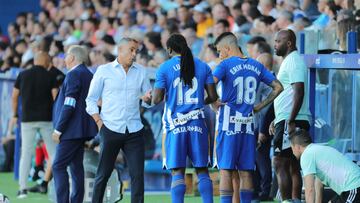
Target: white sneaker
<point>22,194</point>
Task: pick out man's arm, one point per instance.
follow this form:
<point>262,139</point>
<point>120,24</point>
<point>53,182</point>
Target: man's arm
<point>298,98</point>
<point>93,98</point>
<point>277,89</point>
<point>319,189</point>
<point>15,101</point>
<point>211,93</point>
<point>72,92</point>
<point>309,188</point>
<point>158,95</point>
<point>146,98</point>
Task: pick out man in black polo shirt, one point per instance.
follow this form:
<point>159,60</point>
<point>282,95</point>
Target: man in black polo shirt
<point>37,89</point>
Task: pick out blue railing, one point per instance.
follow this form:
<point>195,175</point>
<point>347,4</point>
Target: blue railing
<point>337,64</point>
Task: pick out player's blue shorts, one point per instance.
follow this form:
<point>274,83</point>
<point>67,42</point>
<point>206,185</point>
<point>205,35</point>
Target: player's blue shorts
<point>235,151</point>
<point>190,139</point>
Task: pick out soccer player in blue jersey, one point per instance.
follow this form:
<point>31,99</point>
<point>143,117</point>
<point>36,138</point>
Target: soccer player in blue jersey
<point>181,81</point>
<point>235,142</point>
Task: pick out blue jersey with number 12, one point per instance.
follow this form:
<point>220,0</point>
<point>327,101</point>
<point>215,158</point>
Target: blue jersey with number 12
<point>180,98</point>
<point>240,79</point>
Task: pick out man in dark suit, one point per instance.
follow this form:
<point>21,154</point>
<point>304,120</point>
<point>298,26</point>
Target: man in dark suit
<point>73,126</point>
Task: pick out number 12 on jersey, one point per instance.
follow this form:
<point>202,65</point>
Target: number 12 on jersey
<point>180,96</point>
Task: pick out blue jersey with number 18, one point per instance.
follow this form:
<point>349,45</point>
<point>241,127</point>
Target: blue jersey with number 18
<point>240,79</point>
<point>180,98</point>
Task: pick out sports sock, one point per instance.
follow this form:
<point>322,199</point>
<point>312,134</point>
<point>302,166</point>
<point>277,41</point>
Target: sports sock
<point>178,188</point>
<point>226,196</point>
<point>246,196</point>
<point>205,187</point>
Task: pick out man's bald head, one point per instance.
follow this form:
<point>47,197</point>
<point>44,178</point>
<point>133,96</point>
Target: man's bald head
<point>266,59</point>
<point>42,59</point>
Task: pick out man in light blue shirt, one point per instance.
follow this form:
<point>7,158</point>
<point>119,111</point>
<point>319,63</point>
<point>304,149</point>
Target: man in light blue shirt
<point>329,166</point>
<point>120,85</point>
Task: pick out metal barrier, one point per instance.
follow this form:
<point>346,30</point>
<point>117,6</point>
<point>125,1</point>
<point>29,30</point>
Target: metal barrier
<point>336,78</point>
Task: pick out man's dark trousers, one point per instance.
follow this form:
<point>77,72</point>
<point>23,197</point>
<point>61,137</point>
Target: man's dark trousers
<point>69,153</point>
<point>263,167</point>
<point>132,145</point>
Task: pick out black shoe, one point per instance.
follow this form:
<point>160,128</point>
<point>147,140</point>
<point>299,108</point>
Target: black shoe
<point>22,194</point>
<point>38,189</point>
<point>38,169</point>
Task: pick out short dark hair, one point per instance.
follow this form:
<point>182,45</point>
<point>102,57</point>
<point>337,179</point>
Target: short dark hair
<point>224,22</point>
<point>151,15</point>
<point>254,12</point>
<point>154,38</point>
<point>256,39</point>
<point>268,20</point>
<point>301,137</point>
<point>263,47</point>
<point>191,26</point>
<point>222,36</point>
<point>213,50</point>
<point>237,5</point>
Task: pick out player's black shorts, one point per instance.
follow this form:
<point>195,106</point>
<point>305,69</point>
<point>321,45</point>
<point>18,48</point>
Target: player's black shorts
<point>351,196</point>
<point>279,134</point>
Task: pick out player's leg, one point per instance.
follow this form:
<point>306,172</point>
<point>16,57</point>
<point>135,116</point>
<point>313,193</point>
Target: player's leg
<point>281,162</point>
<point>236,187</point>
<point>199,153</point>
<point>246,186</point>
<point>246,165</point>
<point>296,179</point>
<point>205,185</point>
<point>227,154</point>
<point>175,153</point>
<point>226,188</point>
<point>282,166</point>
<point>178,186</point>
<point>295,167</point>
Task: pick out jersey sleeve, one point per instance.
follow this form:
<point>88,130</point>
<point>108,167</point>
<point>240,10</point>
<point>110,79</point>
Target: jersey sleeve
<point>266,76</point>
<point>209,75</point>
<point>308,164</point>
<point>160,79</point>
<point>219,71</point>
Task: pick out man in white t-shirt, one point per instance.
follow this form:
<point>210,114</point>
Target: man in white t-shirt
<point>328,165</point>
<point>291,111</point>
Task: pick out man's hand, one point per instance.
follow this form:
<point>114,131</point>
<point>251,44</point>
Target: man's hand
<point>56,137</point>
<point>99,124</point>
<point>257,108</point>
<point>262,137</point>
<point>291,126</point>
<point>272,128</point>
<point>147,97</point>
<point>215,105</point>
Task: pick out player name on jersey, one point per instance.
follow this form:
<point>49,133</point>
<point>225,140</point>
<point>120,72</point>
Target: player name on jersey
<point>240,67</point>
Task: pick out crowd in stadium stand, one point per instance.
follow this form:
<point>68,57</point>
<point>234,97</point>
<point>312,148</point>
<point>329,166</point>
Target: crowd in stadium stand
<point>100,24</point>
